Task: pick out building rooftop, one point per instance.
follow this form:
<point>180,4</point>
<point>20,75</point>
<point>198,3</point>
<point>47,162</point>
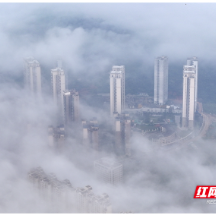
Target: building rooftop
<point>189,68</point>
<point>57,70</point>
<point>117,69</point>
<point>194,58</point>
<point>162,57</point>
<point>31,61</point>
<point>70,92</point>
<point>108,162</point>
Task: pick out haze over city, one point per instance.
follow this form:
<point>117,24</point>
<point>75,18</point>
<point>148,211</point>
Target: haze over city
<point>107,108</point>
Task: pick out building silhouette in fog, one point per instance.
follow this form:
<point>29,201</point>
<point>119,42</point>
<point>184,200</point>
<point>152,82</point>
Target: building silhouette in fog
<point>161,80</point>
<point>33,76</point>
<point>63,196</point>
<point>90,134</point>
<point>189,92</point>
<point>71,107</point>
<point>109,170</point>
<point>122,127</point>
<point>58,87</point>
<point>56,137</point>
<point>117,89</point>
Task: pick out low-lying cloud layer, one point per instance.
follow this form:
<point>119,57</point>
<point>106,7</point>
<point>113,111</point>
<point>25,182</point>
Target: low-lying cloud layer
<point>90,38</point>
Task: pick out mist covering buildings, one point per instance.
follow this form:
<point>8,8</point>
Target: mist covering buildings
<point>91,41</point>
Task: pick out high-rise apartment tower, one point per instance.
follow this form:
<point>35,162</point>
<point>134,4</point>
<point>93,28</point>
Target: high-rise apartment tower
<point>117,89</point>
<point>189,95</point>
<point>194,61</point>
<point>161,80</point>
<point>58,87</point>
<point>33,76</point>
<point>71,107</point>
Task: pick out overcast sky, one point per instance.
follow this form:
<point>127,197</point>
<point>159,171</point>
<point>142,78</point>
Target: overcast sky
<point>94,36</point>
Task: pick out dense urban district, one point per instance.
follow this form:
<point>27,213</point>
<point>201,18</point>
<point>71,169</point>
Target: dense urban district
<point>166,125</point>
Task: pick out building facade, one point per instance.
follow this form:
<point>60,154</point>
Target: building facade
<point>56,137</point>
<point>117,89</point>
<point>33,76</point>
<point>189,93</point>
<point>161,80</point>
<point>71,107</point>
<point>194,61</point>
<point>58,87</point>
<point>90,134</point>
<point>109,170</point>
<point>122,128</point>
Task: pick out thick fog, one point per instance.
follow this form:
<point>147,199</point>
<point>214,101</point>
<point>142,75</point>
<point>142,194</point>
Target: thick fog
<point>90,39</point>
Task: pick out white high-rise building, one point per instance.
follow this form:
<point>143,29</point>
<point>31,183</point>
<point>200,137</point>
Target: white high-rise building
<point>194,61</point>
<point>117,89</point>
<point>33,76</point>
<point>58,87</point>
<point>109,170</point>
<point>189,93</point>
<point>161,80</point>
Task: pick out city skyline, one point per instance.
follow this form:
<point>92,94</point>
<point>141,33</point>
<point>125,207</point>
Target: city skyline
<point>104,142</point>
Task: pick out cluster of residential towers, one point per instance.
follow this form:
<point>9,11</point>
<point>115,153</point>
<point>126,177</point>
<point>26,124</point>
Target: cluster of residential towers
<point>190,88</point>
<point>67,101</point>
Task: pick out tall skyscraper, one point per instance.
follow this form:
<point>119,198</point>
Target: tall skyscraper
<point>71,107</point>
<point>161,80</point>
<point>58,86</point>
<point>189,93</point>
<point>117,89</point>
<point>194,61</point>
<point>33,76</point>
